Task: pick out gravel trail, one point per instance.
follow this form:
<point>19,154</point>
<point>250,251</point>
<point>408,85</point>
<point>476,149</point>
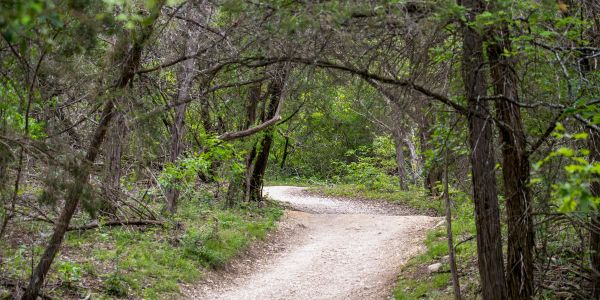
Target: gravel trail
<point>324,248</point>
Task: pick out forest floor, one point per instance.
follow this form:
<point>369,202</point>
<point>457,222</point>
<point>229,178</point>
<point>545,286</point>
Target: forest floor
<point>324,248</point>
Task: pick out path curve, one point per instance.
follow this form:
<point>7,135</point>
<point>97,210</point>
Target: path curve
<point>331,249</point>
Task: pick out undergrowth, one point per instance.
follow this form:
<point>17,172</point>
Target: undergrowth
<point>148,262</point>
<point>417,282</point>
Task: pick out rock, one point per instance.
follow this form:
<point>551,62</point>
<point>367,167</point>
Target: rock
<point>434,268</point>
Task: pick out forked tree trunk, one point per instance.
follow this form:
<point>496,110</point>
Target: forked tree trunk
<point>262,156</point>
<point>239,185</point>
<point>515,171</point>
<point>485,195</point>
<point>81,177</point>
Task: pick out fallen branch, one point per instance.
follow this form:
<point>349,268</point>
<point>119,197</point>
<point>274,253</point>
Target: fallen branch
<point>117,223</point>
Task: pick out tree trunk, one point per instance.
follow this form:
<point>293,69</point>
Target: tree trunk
<point>185,77</point>
<point>400,159</point>
<point>414,159</point>
<point>433,173</point>
<point>241,182</point>
<point>81,177</point>
<point>594,145</point>
<point>485,195</point>
<point>262,156</point>
<point>515,171</point>
<point>112,182</point>
<point>285,152</point>
<point>448,204</point>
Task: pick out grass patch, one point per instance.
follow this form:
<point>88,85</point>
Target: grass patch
<point>417,283</point>
<point>150,262</point>
<point>415,197</point>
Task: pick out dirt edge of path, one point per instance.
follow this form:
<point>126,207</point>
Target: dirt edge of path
<point>288,230</point>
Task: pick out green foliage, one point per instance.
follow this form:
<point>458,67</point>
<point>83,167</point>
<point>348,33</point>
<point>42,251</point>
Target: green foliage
<point>69,271</point>
<point>372,167</point>
<point>324,130</point>
<point>12,111</point>
<point>115,285</point>
<point>416,283</point>
<point>150,264</point>
<point>184,172</point>
<point>573,192</point>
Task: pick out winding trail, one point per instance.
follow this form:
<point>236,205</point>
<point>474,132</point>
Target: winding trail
<point>324,248</point>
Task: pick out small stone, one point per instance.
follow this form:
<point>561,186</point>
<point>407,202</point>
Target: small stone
<point>434,267</point>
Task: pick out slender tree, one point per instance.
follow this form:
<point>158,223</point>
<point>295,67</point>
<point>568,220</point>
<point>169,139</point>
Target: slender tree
<point>515,167</point>
<point>485,195</point>
<point>129,66</point>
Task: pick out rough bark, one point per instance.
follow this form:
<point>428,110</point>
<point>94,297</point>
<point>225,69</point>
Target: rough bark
<point>112,181</point>
<point>262,156</point>
<point>515,171</point>
<point>485,195</point>
<point>81,177</point>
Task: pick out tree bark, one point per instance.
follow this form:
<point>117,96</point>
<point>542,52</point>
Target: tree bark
<point>81,177</point>
<point>262,156</point>
<point>285,152</point>
<point>112,181</point>
<point>185,77</point>
<point>515,171</point>
<point>241,182</point>
<point>485,195</point>
<point>449,236</point>
<point>400,159</point>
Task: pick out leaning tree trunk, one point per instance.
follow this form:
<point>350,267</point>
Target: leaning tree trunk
<point>81,177</point>
<point>485,195</point>
<point>262,156</point>
<point>515,171</point>
<point>185,77</point>
<point>112,181</point>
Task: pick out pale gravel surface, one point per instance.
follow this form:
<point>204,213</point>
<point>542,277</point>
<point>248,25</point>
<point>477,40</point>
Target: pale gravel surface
<point>324,249</point>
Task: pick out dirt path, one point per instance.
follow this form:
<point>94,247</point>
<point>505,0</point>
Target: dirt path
<point>324,249</point>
